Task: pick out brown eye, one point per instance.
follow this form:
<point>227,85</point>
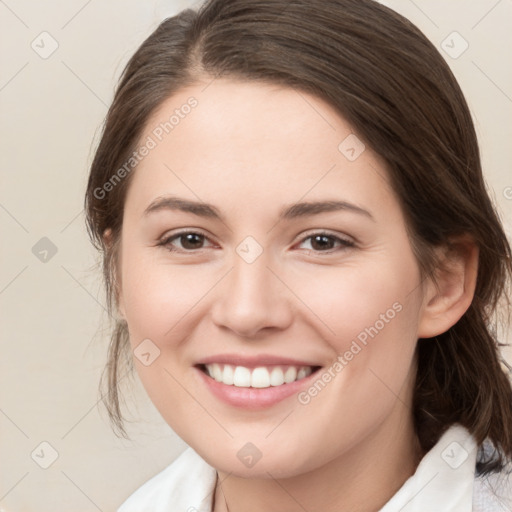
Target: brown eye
<point>186,241</point>
<point>191,240</point>
<point>325,242</point>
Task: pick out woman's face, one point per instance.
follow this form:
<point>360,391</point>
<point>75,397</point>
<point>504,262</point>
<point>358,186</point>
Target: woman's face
<point>306,316</point>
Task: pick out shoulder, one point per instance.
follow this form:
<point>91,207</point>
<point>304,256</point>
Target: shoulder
<point>187,484</point>
<point>492,492</point>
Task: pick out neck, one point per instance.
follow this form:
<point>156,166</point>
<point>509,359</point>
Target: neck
<point>362,479</point>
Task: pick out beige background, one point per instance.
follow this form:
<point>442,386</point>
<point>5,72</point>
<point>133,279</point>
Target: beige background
<point>53,320</point>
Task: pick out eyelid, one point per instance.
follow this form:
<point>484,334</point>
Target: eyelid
<point>326,232</point>
<point>183,231</point>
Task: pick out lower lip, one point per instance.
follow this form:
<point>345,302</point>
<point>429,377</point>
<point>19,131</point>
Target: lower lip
<point>254,398</point>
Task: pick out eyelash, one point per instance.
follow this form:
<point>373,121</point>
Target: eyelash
<point>345,244</point>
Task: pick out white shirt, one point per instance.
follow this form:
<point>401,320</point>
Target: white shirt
<point>444,481</point>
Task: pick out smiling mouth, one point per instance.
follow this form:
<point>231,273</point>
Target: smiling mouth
<point>259,377</point>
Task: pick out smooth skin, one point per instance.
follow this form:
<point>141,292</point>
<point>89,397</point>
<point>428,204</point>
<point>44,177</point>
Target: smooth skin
<point>250,150</point>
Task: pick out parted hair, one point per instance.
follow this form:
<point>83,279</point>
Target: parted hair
<point>378,71</point>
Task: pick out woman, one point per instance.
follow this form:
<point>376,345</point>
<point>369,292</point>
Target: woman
<point>304,263</point>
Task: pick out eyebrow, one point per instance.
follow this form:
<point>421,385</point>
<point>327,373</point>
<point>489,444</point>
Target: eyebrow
<point>287,213</point>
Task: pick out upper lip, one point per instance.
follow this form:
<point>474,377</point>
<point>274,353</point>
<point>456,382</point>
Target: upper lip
<point>254,361</point>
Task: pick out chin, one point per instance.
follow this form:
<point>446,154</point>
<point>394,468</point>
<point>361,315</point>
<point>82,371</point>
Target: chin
<point>249,462</point>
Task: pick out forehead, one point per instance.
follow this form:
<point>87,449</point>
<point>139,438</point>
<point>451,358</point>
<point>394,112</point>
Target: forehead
<point>247,116</point>
<point>245,143</point>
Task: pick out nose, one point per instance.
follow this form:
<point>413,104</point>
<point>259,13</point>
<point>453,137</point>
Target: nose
<point>252,298</point>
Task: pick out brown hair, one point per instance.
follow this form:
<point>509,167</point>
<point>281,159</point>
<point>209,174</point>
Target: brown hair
<point>383,75</point>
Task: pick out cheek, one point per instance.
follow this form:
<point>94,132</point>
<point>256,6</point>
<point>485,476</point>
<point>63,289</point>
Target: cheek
<point>371,315</point>
<point>361,302</point>
<point>157,296</point>
<point>159,302</point>
<point>374,319</point>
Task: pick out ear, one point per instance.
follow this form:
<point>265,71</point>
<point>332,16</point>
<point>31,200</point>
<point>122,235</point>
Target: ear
<point>108,241</point>
<point>450,291</point>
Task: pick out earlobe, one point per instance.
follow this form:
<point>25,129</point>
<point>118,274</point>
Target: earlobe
<point>107,237</point>
<point>449,296</point>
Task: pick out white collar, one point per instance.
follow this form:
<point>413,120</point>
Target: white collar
<point>442,482</point>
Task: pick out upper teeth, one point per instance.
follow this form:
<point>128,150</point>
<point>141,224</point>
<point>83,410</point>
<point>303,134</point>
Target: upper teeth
<point>260,377</point>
